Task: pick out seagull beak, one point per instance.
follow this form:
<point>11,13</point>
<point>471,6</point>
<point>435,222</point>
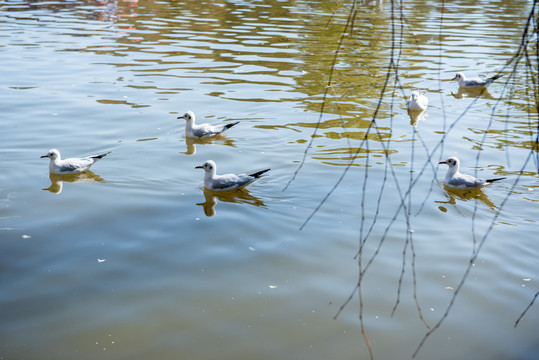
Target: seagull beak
<point>442,162</point>
<point>198,167</point>
<point>43,156</point>
<point>455,78</point>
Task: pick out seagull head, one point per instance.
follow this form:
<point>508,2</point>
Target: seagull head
<point>459,76</point>
<point>415,95</point>
<point>53,154</point>
<point>453,163</point>
<point>208,166</point>
<point>188,116</point>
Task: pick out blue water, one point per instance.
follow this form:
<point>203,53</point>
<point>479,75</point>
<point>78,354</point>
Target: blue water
<point>135,260</point>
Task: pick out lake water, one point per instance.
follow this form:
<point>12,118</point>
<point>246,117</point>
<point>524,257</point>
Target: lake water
<point>135,260</point>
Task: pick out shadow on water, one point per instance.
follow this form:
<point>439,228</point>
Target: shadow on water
<point>57,181</point>
<point>240,196</point>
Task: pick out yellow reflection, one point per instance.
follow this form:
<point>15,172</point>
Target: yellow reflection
<point>240,196</point>
<point>416,115</point>
<point>57,181</point>
<point>466,195</point>
<point>191,143</point>
<point>473,93</point>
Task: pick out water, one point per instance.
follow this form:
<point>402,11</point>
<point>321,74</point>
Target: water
<point>136,260</point>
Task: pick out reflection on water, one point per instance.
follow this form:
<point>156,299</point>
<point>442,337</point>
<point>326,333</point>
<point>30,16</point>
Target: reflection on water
<point>465,195</point>
<point>114,71</point>
<point>227,57</point>
<point>103,10</point>
<point>57,181</point>
<point>239,196</point>
<point>473,93</point>
<point>416,116</point>
<point>191,143</point>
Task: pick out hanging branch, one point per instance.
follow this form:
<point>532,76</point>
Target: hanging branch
<point>349,21</point>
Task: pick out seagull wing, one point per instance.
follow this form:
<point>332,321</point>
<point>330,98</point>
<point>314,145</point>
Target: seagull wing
<point>201,131</point>
<point>462,181</point>
<point>475,83</point>
<point>207,130</point>
<point>67,167</point>
<point>231,181</point>
<point>72,165</point>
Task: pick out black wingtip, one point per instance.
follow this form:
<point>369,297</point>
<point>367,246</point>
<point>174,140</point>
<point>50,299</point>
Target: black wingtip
<point>101,156</point>
<point>492,180</point>
<point>228,126</point>
<point>496,76</point>
<point>259,173</point>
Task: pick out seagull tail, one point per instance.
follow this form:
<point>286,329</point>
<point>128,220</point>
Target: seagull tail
<point>492,180</point>
<point>98,157</point>
<point>496,77</point>
<point>259,173</point>
<point>228,126</point>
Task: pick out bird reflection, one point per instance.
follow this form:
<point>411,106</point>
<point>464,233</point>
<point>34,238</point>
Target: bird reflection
<point>191,143</point>
<point>57,181</point>
<point>416,115</point>
<point>473,93</point>
<point>466,195</point>
<point>240,196</point>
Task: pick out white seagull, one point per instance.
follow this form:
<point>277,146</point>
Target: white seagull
<point>418,101</point>
<point>454,179</point>
<point>72,165</point>
<point>475,83</point>
<point>212,181</point>
<point>203,130</point>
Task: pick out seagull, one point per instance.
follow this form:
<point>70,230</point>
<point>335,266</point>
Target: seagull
<point>475,83</point>
<point>212,181</point>
<point>72,165</point>
<point>454,179</point>
<point>418,101</point>
<point>203,130</point>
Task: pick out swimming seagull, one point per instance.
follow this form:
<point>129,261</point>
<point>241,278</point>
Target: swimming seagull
<point>454,179</point>
<point>418,101</point>
<point>72,165</point>
<point>212,181</point>
<point>475,83</point>
<point>203,130</point>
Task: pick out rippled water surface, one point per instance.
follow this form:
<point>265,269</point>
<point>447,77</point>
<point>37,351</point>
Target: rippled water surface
<point>135,260</point>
